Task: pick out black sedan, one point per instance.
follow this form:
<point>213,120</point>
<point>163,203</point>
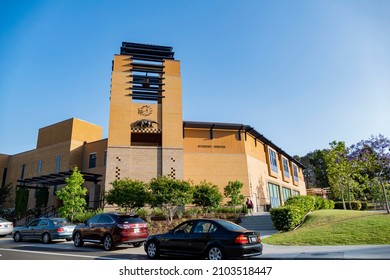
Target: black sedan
<point>213,239</point>
<point>45,230</point>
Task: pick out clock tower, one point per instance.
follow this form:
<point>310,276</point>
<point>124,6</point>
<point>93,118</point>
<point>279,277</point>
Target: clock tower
<point>145,134</point>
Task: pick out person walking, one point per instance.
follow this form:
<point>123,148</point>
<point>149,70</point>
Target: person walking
<point>249,205</point>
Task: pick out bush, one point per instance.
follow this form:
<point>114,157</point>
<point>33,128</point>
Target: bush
<point>82,217</point>
<point>287,218</point>
<point>305,202</point>
<point>356,205</point>
<point>143,213</point>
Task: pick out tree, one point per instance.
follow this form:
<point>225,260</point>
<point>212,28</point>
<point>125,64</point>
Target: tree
<point>207,196</point>
<point>129,194</point>
<point>374,155</point>
<point>315,173</point>
<point>233,191</point>
<point>72,196</point>
<point>341,171</point>
<point>5,194</point>
<point>168,194</point>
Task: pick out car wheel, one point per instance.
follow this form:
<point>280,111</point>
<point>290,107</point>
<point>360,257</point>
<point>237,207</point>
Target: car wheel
<point>137,244</point>
<point>152,250</point>
<point>77,240</point>
<point>108,242</point>
<point>214,253</point>
<point>46,238</point>
<point>17,236</point>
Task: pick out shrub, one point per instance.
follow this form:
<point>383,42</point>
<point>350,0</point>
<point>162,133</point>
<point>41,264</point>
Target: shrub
<point>143,213</point>
<point>82,217</point>
<point>356,205</point>
<point>287,218</point>
<point>305,202</point>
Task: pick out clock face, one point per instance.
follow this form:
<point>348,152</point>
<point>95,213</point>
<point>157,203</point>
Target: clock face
<point>145,110</point>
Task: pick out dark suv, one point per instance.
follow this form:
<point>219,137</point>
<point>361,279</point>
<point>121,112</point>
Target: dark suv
<point>111,229</point>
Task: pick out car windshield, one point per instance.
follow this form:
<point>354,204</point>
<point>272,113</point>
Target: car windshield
<point>230,226</point>
<point>127,219</point>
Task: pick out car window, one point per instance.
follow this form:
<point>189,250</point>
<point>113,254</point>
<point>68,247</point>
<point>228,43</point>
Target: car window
<point>58,221</point>
<point>205,227</point>
<point>184,228</point>
<point>126,219</point>
<point>94,219</point>
<point>105,219</point>
<point>230,226</point>
<point>33,223</point>
<point>43,223</point>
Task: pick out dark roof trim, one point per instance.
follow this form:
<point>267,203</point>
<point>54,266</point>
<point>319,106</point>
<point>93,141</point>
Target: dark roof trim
<point>241,127</point>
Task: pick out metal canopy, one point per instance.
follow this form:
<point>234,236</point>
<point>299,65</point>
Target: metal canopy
<point>55,179</point>
<point>147,52</point>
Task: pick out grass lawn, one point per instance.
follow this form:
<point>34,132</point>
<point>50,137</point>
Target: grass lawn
<point>338,227</point>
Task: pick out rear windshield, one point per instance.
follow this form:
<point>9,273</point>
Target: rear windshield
<point>230,226</point>
<point>126,219</point>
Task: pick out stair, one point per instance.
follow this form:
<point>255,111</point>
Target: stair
<point>258,222</point>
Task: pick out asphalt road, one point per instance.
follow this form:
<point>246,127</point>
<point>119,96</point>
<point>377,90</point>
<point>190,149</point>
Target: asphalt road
<point>65,250</point>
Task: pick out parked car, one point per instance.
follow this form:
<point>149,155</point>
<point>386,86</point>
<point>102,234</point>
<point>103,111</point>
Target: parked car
<point>44,229</point>
<point>213,239</point>
<point>111,229</point>
<point>6,227</point>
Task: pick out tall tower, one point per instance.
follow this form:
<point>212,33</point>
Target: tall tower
<point>145,137</point>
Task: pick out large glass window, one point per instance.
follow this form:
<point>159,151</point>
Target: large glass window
<point>273,160</point>
<point>286,169</point>
<point>92,160</point>
<point>39,167</point>
<point>295,172</point>
<point>23,171</point>
<point>286,193</point>
<point>274,195</point>
<point>58,164</point>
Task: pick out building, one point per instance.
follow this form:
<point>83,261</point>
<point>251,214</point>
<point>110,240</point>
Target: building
<point>147,137</point>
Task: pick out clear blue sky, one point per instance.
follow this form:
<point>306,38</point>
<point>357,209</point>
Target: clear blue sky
<point>302,73</point>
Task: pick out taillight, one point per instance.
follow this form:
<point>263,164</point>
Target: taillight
<point>61,229</point>
<point>241,239</point>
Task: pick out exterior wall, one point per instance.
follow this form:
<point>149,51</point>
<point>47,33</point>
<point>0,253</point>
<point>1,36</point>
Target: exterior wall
<point>53,141</point>
<point>227,157</point>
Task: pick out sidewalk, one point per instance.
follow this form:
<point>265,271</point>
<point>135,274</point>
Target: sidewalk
<point>361,252</point>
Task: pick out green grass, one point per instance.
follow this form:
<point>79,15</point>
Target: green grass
<point>337,227</point>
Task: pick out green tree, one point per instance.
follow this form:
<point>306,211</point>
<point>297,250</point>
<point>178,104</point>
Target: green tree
<point>168,194</point>
<point>72,196</point>
<point>341,171</point>
<point>315,173</point>
<point>233,191</point>
<point>207,196</point>
<point>5,194</point>
<point>128,194</point>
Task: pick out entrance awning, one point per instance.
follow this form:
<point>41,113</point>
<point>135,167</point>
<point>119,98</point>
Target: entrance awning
<point>56,179</point>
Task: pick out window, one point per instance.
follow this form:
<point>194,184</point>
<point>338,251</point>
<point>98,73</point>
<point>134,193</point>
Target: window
<point>92,160</point>
<point>295,193</point>
<point>39,167</point>
<point>272,160</point>
<point>23,171</point>
<point>286,193</point>
<point>274,195</point>
<point>286,169</point>
<point>295,173</point>
<point>58,164</point>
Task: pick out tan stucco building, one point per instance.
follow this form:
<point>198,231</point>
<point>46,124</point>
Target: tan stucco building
<point>147,137</point>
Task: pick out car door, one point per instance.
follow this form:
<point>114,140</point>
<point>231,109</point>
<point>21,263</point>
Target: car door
<point>89,231</point>
<point>177,240</point>
<point>105,225</point>
<point>41,228</point>
<point>29,232</point>
<point>200,236</point>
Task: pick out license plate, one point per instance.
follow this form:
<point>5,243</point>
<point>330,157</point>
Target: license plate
<point>136,230</point>
<point>253,239</point>
<point>5,225</point>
